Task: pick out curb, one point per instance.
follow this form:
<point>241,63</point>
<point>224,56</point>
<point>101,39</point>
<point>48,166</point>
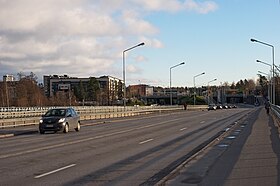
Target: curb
<point>17,134</point>
<point>6,135</point>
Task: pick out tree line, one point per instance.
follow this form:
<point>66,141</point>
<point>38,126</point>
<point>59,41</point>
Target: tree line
<point>26,92</point>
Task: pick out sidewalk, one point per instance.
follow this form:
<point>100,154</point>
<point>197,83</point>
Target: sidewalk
<point>258,162</point>
<point>251,159</point>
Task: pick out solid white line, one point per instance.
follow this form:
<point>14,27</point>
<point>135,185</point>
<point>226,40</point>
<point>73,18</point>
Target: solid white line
<point>183,129</point>
<point>54,171</point>
<point>146,141</point>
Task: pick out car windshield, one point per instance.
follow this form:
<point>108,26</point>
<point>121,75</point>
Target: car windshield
<point>56,112</point>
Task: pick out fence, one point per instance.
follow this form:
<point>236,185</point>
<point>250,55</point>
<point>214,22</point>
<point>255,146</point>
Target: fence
<point>14,117</point>
<point>276,112</point>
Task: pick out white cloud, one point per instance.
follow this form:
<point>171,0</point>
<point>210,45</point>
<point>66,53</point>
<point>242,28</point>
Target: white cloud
<point>176,5</point>
<point>200,7</point>
<point>79,37</point>
<point>161,5</point>
<point>137,25</point>
<point>132,69</point>
<point>152,42</point>
<point>141,59</point>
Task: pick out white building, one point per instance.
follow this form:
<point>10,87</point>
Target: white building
<point>8,78</point>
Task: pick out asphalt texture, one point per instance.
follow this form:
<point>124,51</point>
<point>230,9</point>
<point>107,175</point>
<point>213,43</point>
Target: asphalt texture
<point>249,155</point>
<point>33,129</point>
<point>124,151</point>
<point>16,131</point>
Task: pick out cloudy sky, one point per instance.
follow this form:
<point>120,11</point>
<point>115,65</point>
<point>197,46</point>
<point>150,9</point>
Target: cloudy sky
<point>84,38</point>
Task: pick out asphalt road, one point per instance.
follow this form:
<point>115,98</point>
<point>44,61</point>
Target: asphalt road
<point>128,151</point>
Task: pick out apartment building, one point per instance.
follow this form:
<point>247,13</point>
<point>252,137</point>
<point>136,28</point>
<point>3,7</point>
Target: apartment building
<point>110,87</point>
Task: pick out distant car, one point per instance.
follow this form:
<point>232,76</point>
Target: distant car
<point>219,106</point>
<point>212,107</point>
<point>60,119</point>
<point>225,106</point>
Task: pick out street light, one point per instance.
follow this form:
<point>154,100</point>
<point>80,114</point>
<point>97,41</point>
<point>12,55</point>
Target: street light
<point>273,80</point>
<point>259,61</point>
<point>170,79</point>
<point>124,87</point>
<point>277,68</point>
<point>270,93</point>
<point>260,72</point>
<point>194,95</point>
<point>208,88</point>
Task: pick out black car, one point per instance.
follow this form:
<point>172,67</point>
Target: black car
<point>59,119</point>
<point>212,107</point>
<point>219,106</point>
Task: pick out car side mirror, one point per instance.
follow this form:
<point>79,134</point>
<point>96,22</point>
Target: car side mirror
<point>69,115</point>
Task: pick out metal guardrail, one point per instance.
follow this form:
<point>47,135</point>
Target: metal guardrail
<point>32,117</point>
<point>276,111</point>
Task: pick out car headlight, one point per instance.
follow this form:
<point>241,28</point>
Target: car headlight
<point>41,121</point>
<point>61,120</point>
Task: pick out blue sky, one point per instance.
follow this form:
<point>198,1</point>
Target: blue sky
<point>86,38</point>
<point>217,43</point>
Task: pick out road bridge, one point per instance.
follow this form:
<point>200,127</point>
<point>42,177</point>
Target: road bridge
<point>140,150</point>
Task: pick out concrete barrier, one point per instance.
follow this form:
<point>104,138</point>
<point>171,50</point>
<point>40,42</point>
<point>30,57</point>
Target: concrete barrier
<point>275,111</point>
<point>24,118</point>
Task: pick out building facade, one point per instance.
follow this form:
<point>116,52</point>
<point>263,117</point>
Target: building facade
<point>108,92</point>
<point>8,77</point>
<point>138,91</point>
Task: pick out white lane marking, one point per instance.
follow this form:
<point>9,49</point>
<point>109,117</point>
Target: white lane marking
<point>202,122</point>
<point>54,171</point>
<point>146,141</point>
<point>183,129</point>
<point>84,140</point>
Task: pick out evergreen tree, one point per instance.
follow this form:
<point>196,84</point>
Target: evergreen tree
<point>81,92</point>
<point>93,89</point>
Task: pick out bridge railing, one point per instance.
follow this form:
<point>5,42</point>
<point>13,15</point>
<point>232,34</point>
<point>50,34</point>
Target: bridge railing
<point>276,111</point>
<point>31,116</point>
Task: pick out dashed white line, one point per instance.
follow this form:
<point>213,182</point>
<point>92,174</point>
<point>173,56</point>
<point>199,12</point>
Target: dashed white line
<point>146,141</point>
<point>183,129</point>
<point>54,171</point>
<point>202,122</point>
<point>83,140</point>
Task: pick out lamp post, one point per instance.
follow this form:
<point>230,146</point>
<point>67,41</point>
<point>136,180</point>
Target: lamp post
<point>208,88</point>
<point>170,80</point>
<point>263,73</point>
<point>273,80</point>
<point>124,87</point>
<point>277,68</point>
<point>194,95</point>
<point>270,93</point>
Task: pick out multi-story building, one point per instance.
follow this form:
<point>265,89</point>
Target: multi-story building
<point>110,87</point>
<point>138,91</point>
<point>56,83</point>
<point>8,77</point>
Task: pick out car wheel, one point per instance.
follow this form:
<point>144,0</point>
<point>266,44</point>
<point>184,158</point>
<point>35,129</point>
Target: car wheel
<point>42,132</point>
<point>78,127</point>
<point>66,128</point>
